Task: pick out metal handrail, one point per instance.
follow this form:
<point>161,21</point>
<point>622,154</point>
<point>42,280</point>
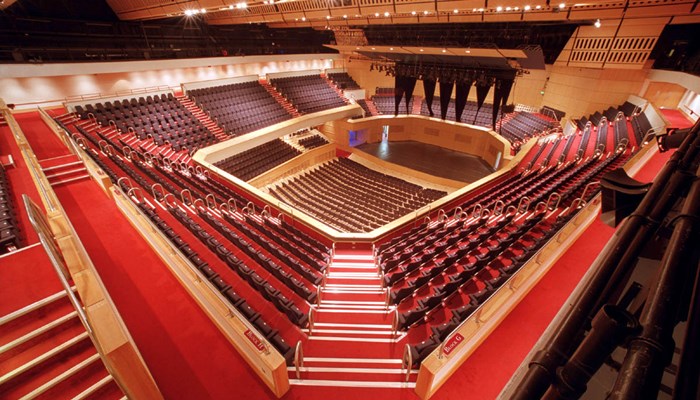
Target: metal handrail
<point>298,359</point>
<point>549,199</point>
<point>407,361</point>
<point>189,193</point>
<point>134,190</point>
<point>153,190</point>
<point>520,204</point>
<point>312,312</point>
<point>211,201</point>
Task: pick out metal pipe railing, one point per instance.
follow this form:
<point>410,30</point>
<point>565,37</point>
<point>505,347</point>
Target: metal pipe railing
<point>650,352</point>
<point>614,263</point>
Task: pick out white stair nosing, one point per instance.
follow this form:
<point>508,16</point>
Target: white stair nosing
<point>36,332</point>
<point>353,339</point>
<point>364,384</point>
<point>40,359</point>
<point>351,291</point>
<point>351,311</point>
<point>351,331</point>
<point>344,325</point>
<point>353,360</point>
<point>94,388</point>
<point>351,286</point>
<point>34,306</point>
<point>62,377</point>
<point>61,166</point>
<point>352,307</point>
<point>72,171</point>
<point>77,178</point>
<point>351,370</point>
<point>371,303</point>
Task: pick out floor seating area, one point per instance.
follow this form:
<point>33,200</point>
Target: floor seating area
<point>239,108</point>
<point>308,94</point>
<point>469,115</point>
<point>343,81</point>
<point>258,160</point>
<point>9,226</point>
<point>161,117</point>
<point>518,127</point>
<point>351,197</point>
<point>266,268</point>
<point>311,142</point>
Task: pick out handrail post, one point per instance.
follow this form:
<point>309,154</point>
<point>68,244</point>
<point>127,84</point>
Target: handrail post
<point>211,201</point>
<point>189,199</point>
<point>407,361</point>
<point>298,359</point>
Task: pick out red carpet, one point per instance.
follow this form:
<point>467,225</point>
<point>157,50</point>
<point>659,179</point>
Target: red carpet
<point>21,182</point>
<point>44,142</point>
<point>26,276</point>
<point>186,354</point>
<point>676,119</point>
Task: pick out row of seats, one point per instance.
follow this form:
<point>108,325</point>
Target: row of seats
<point>258,160</point>
<point>308,94</point>
<point>239,108</point>
<point>9,226</point>
<point>162,118</point>
<point>313,141</point>
<point>520,126</point>
<point>385,104</point>
<point>472,114</point>
<point>343,80</point>
<point>627,109</point>
<point>352,197</point>
<point>272,335</point>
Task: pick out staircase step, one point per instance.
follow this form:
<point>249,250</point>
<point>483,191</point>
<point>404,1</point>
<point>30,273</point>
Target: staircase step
<point>43,358</point>
<point>353,384</point>
<point>69,180</point>
<point>353,374</point>
<point>32,317</point>
<point>37,332</point>
<point>53,163</point>
<point>65,375</point>
<point>66,172</point>
<point>94,388</point>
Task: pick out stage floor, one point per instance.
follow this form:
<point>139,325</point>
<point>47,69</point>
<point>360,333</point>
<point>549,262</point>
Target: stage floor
<point>433,160</point>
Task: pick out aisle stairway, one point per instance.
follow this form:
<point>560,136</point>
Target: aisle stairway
<point>203,117</point>
<point>351,342</point>
<point>64,169</point>
<point>45,352</point>
<point>280,99</point>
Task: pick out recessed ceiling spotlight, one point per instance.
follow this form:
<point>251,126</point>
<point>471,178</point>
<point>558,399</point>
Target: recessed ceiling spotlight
<point>516,8</point>
<point>507,8</point>
<point>203,10</point>
<point>357,48</point>
<point>538,7</point>
<point>189,12</point>
<point>426,12</point>
<point>562,6</point>
<point>421,50</point>
<point>467,51</point>
<point>391,48</point>
<point>526,8</point>
<point>373,48</point>
<point>499,8</point>
<point>481,10</point>
<point>230,7</point>
<point>345,16</point>
<point>376,14</point>
<point>303,18</point>
<point>328,17</point>
<point>444,50</point>
<point>413,13</point>
<point>597,23</point>
<point>386,13</point>
<point>455,11</point>
<point>473,9</point>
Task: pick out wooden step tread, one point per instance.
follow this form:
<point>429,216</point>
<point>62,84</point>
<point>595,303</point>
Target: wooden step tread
<point>43,329</point>
<point>61,377</point>
<point>34,306</point>
<point>94,388</point>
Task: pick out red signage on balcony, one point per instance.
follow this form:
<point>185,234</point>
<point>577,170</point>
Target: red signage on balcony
<point>254,339</point>
<point>452,344</point>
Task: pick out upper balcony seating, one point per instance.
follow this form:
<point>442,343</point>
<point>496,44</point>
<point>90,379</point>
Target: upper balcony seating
<point>641,126</point>
<point>523,125</point>
<point>313,141</point>
<point>258,160</point>
<point>363,103</point>
<point>308,94</point>
<point>343,81</point>
<point>469,115</point>
<point>241,107</point>
<point>351,197</point>
<point>161,117</point>
<point>385,104</point>
<point>9,227</point>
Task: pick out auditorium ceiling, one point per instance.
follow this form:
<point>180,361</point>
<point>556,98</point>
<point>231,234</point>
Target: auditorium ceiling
<point>348,13</point>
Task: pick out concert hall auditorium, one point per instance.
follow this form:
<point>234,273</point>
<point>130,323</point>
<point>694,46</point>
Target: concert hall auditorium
<point>349,199</point>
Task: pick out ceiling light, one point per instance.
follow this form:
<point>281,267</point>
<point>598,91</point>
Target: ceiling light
<point>444,50</point>
<point>467,51</point>
<point>376,14</point>
<point>538,7</point>
<point>473,9</point>
<point>421,50</point>
<point>357,48</point>
<point>386,14</point>
<point>516,8</point>
<point>426,12</point>
<point>562,6</point>
<point>455,11</point>
<point>413,13</point>
<point>189,12</point>
<point>303,18</point>
<point>526,8</point>
<point>499,8</point>
<point>345,16</point>
<point>328,17</point>
<point>481,10</point>
<point>373,48</point>
<point>203,10</point>
<point>391,48</point>
<point>597,23</point>
<point>507,8</point>
<point>230,7</point>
